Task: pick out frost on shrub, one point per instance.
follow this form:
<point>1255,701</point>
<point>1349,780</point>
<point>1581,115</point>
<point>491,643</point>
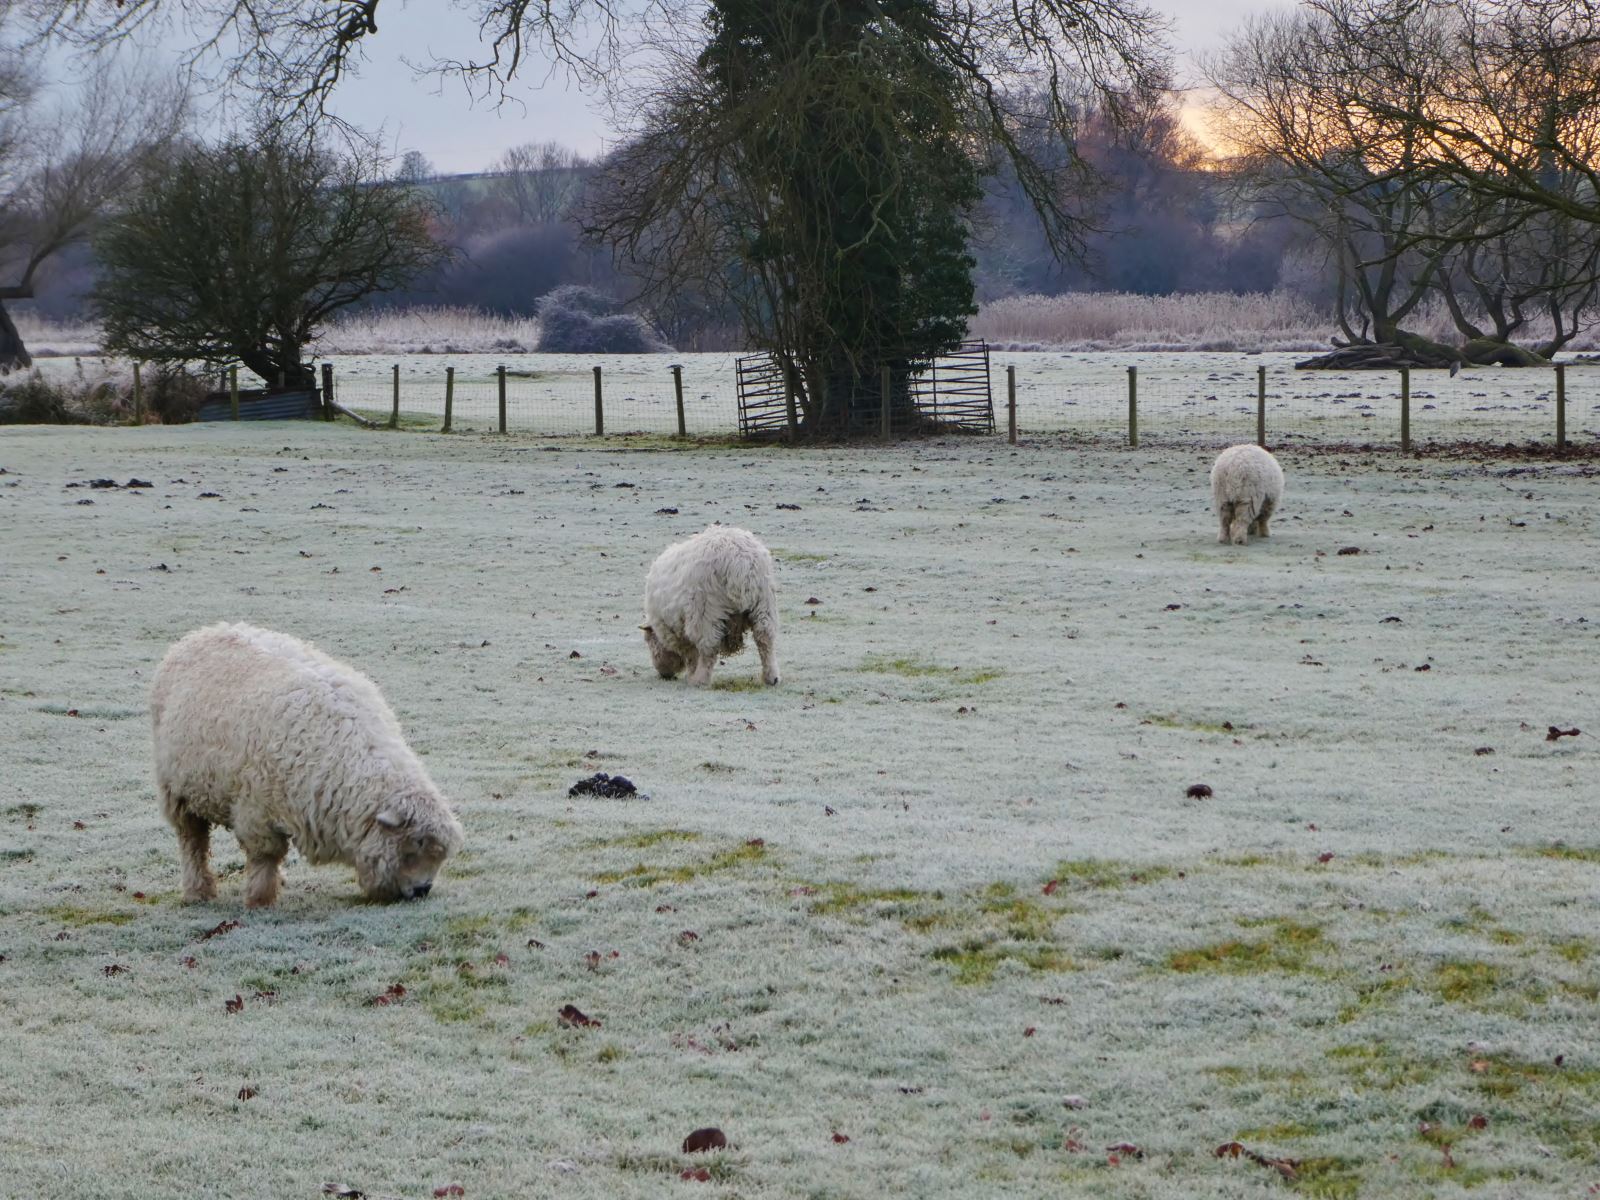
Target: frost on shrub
<point>35,401</point>
<point>580,320</point>
<point>174,394</point>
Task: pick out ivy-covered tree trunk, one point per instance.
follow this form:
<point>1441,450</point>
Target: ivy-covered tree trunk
<point>870,227</point>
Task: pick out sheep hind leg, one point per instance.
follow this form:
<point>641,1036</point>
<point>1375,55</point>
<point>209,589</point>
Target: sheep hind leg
<point>1225,518</point>
<point>194,847</point>
<point>1239,525</point>
<point>1259,526</point>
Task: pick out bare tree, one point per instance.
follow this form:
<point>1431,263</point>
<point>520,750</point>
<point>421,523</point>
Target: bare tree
<point>539,181</point>
<point>64,163</point>
<point>1296,107</point>
<point>240,252</point>
<point>1445,148</point>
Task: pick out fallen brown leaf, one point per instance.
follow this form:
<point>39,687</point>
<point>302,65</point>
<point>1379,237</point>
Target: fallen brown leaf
<point>571,1016</point>
<point>701,1140</point>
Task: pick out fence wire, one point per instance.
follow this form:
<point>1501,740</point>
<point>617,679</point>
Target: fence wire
<point>1193,399</point>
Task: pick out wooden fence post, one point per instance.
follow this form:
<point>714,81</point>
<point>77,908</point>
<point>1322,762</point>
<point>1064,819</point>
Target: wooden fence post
<point>1561,406</point>
<point>1405,410</point>
<point>233,391</point>
<point>1011,405</point>
<point>884,384</point>
<point>394,412</point>
<point>677,387</point>
<point>138,396</point>
<point>449,396</point>
<point>1133,407</point>
<point>789,401</point>
<point>599,405</point>
<point>500,381</point>
<point>327,391</point>
<point>1261,407</point>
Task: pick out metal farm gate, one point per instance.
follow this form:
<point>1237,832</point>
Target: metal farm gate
<point>952,391</point>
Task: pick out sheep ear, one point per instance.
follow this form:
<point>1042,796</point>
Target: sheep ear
<point>648,628</point>
<point>390,819</point>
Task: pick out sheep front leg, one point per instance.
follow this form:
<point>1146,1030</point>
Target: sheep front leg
<point>194,847</point>
<point>766,638</point>
<point>700,668</point>
<point>264,855</point>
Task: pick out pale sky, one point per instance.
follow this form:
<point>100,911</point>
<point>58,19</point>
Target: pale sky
<point>438,118</point>
<point>441,120</point>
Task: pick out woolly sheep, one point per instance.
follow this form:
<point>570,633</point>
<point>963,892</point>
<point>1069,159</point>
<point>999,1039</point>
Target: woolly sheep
<point>267,736</point>
<point>700,598</point>
<point>1246,489</point>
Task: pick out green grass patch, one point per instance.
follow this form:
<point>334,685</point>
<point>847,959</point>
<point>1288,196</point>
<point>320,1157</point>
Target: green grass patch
<point>916,668</point>
<point>79,915</point>
<point>738,683</point>
<point>1566,853</point>
<point>1097,874</point>
<point>649,875</point>
<point>16,855</point>
<point>1328,1178</point>
<point>643,841</point>
<point>1289,946</point>
<point>24,812</point>
<point>897,903</point>
<point>1469,981</point>
<point>1574,950</point>
<point>976,961</point>
<point>799,556</point>
<point>1193,724</point>
<point>1024,918</point>
<point>1379,1065</point>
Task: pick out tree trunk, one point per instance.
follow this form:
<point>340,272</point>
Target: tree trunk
<point>14,355</point>
<point>1487,351</point>
<point>297,376</point>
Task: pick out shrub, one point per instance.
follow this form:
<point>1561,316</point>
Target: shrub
<point>580,320</point>
<point>36,401</point>
<point>174,394</point>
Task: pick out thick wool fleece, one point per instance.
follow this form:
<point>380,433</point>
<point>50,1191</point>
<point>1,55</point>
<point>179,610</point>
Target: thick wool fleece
<point>1246,489</point>
<point>700,598</point>
<point>264,734</point>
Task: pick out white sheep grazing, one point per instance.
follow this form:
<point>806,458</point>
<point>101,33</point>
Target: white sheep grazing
<point>1246,489</point>
<point>700,598</point>
<point>269,737</point>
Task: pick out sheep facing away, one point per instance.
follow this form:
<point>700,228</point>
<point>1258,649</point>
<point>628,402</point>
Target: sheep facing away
<point>1246,489</point>
<point>265,735</point>
<point>700,598</point>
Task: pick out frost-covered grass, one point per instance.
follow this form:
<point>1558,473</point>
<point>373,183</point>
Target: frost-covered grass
<point>1012,943</point>
<point>1204,321</point>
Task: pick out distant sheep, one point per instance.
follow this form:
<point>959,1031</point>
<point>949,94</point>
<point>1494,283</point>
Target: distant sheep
<point>1246,489</point>
<point>269,737</point>
<point>700,598</point>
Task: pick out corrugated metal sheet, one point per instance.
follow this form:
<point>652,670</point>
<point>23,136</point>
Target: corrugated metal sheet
<point>259,406</point>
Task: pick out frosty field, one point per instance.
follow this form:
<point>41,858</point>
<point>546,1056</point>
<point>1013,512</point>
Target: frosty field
<point>934,918</point>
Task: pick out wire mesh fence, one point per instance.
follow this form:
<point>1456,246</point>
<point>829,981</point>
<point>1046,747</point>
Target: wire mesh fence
<point>1190,399</point>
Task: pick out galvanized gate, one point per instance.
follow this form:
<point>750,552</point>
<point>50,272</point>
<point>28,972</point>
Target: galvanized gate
<point>952,391</point>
